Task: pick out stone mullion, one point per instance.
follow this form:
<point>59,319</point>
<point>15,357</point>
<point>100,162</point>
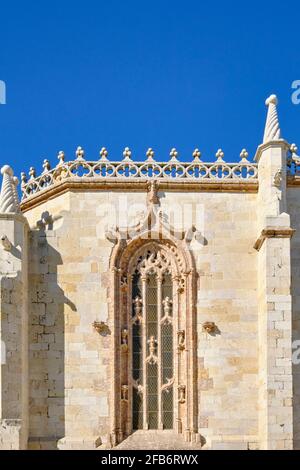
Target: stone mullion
<point>159,349</point>
<point>144,336</point>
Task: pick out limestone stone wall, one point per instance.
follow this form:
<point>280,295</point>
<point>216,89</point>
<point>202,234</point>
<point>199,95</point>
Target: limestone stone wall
<point>293,199</point>
<point>13,333</point>
<point>70,373</point>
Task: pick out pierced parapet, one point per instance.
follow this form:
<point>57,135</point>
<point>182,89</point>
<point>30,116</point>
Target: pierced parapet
<point>272,129</point>
<point>9,199</point>
<point>103,168</point>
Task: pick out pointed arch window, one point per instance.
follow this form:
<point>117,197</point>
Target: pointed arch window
<point>154,360</point>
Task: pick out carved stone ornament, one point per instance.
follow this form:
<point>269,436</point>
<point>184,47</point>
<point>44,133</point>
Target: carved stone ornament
<point>181,340</point>
<point>101,328</point>
<point>153,192</point>
<point>272,128</point>
<point>152,358</point>
<point>167,304</point>
<point>9,199</point>
<point>181,393</point>
<point>138,307</point>
<point>7,245</point>
<point>278,178</point>
<point>209,326</point>
<point>124,340</point>
<point>124,393</point>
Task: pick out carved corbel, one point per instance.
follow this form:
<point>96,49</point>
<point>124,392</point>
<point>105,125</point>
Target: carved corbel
<point>101,328</point>
<point>209,327</point>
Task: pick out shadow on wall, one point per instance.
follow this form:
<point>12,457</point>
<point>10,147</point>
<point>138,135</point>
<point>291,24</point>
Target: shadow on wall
<point>46,340</point>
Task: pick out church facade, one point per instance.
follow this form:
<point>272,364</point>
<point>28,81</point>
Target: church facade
<point>148,302</point>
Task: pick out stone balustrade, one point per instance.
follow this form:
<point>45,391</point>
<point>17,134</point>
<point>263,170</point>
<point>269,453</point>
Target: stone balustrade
<point>127,168</point>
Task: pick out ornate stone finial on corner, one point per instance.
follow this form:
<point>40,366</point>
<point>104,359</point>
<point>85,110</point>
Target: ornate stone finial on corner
<point>150,155</point>
<point>61,157</point>
<point>220,155</point>
<point>197,155</point>
<point>46,166</point>
<point>103,154</point>
<point>272,128</point>
<point>79,153</point>
<point>174,155</point>
<point>9,199</point>
<point>152,197</point>
<point>244,156</point>
<point>127,155</point>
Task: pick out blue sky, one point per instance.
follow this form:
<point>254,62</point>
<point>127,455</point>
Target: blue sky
<point>143,74</point>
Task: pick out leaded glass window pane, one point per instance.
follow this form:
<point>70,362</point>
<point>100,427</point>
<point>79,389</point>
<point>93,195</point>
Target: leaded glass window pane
<point>152,349</point>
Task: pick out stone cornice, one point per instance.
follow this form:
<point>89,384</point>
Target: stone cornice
<point>134,184</point>
<point>273,232</point>
<point>272,144</point>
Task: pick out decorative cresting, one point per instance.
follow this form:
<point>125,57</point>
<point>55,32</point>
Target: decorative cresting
<point>272,129</point>
<point>127,169</point>
<point>293,162</point>
<point>9,199</point>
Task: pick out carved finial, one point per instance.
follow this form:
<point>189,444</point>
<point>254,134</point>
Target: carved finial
<point>220,155</point>
<point>127,154</point>
<point>293,148</point>
<point>272,128</point>
<point>46,166</point>
<point>173,155</point>
<point>61,157</point>
<point>244,155</point>
<point>103,154</point>
<point>9,199</point>
<point>32,172</point>
<point>79,153</point>
<point>294,157</point>
<point>23,178</point>
<point>197,155</point>
<point>150,155</point>
<point>16,195</point>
